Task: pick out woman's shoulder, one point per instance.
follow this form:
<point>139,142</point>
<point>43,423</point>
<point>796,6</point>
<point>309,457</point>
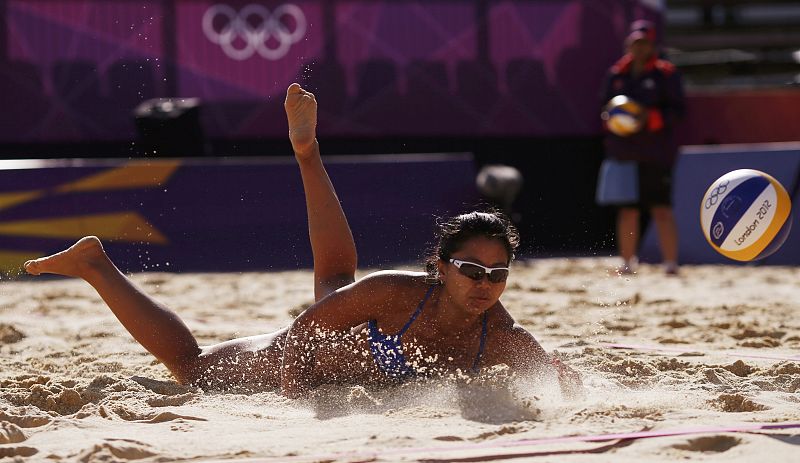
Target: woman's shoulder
<point>391,291</point>
<point>392,284</point>
<point>400,279</point>
<point>510,342</point>
<point>500,320</point>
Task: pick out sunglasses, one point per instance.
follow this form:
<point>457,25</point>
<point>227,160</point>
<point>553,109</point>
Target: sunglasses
<point>476,272</point>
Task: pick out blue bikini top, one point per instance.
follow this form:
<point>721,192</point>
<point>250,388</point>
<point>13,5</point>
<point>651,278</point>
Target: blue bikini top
<point>387,350</point>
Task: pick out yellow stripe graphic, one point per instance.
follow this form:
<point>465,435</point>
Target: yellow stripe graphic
<point>122,226</point>
<point>18,197</point>
<point>136,174</point>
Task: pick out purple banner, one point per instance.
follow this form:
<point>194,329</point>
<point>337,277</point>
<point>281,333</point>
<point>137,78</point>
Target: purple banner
<point>74,69</point>
<point>224,214</point>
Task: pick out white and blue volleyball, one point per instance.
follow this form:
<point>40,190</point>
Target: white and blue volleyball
<point>746,215</point>
<point>624,117</point>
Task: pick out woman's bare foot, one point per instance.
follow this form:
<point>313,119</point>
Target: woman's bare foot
<point>73,261</point>
<point>301,111</point>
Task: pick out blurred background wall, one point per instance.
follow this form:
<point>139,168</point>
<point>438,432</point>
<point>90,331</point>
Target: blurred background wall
<point>513,82</point>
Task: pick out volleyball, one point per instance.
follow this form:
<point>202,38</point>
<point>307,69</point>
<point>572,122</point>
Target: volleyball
<point>746,215</point>
<point>623,116</point>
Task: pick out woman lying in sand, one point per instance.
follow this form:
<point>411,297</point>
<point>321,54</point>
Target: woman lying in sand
<point>448,320</point>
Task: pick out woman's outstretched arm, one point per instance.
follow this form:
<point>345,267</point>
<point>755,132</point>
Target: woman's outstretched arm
<point>332,242</point>
<point>524,354</point>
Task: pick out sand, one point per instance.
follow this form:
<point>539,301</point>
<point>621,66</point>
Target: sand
<point>76,387</point>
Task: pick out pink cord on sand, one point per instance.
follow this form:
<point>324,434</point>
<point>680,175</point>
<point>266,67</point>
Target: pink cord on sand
<point>368,455</point>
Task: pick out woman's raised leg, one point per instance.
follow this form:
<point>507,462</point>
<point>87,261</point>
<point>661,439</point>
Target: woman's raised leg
<point>153,325</point>
<point>332,244</point>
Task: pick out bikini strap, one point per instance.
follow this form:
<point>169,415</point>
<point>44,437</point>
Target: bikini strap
<point>475,367</point>
<point>416,312</point>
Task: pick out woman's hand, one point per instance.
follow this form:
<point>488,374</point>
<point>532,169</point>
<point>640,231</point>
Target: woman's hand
<point>568,379</point>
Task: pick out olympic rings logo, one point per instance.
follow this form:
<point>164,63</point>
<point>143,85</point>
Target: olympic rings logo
<point>714,196</point>
<point>257,27</point>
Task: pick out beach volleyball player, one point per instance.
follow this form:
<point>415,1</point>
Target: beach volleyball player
<point>385,328</point>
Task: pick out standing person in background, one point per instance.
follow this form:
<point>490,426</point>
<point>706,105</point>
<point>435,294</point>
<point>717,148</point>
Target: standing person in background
<point>655,85</point>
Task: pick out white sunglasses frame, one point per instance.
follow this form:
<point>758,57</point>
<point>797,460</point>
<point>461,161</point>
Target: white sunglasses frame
<point>486,270</point>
